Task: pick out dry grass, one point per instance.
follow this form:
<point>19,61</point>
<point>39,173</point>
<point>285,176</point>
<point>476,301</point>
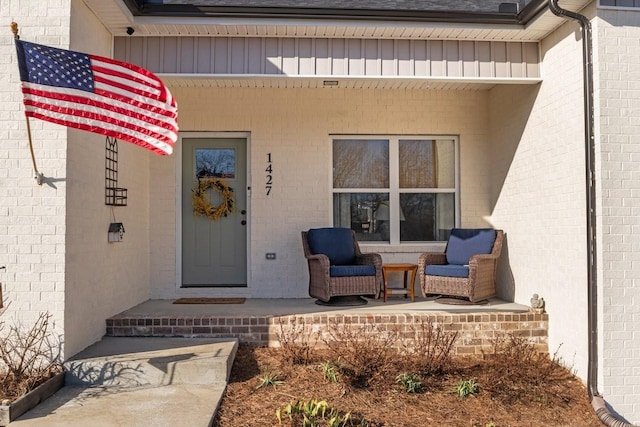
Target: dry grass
<point>516,385</point>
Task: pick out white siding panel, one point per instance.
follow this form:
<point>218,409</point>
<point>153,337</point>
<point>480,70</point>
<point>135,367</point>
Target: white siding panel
<point>272,55</point>
<point>289,60</point>
<point>338,53</point>
<point>170,54</point>
<point>452,59</point>
<point>203,54</point>
<point>220,57</point>
<point>468,57</point>
<point>306,57</point>
<point>437,58</point>
<point>388,57</point>
<point>499,53</point>
<point>331,57</point>
<point>421,56</point>
<point>515,59</point>
<point>237,56</point>
<point>254,56</point>
<point>355,55</point>
<point>403,54</point>
<point>323,62</point>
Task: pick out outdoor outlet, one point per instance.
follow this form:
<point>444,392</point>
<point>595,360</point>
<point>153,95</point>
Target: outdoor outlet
<point>271,255</point>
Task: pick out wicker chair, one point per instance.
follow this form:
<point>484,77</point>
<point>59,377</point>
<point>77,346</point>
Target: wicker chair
<point>339,273</point>
<point>448,274</point>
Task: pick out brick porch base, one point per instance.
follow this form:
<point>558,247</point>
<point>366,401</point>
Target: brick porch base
<point>476,330</point>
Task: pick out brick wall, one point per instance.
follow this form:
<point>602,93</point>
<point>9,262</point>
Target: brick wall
<point>32,217</point>
<point>476,332</point>
<point>617,35</point>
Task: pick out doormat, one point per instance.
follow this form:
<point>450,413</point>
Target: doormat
<point>458,301</point>
<point>209,301</point>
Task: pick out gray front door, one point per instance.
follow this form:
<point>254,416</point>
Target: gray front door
<point>214,252</point>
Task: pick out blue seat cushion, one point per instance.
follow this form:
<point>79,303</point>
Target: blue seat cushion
<point>335,243</point>
<point>466,242</point>
<point>352,270</point>
<point>450,270</point>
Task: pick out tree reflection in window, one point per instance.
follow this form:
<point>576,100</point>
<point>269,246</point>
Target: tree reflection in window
<point>215,163</point>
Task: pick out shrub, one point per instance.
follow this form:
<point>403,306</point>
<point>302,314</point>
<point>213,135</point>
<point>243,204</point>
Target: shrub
<point>296,343</point>
<point>518,370</point>
<point>430,346</point>
<point>363,352</point>
<point>27,357</point>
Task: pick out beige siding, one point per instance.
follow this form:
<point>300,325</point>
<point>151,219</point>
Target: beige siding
<point>331,57</point>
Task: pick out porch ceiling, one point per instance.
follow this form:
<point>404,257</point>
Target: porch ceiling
<point>116,17</point>
<point>217,81</point>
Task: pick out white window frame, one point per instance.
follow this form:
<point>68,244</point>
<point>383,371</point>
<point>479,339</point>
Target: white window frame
<point>394,189</point>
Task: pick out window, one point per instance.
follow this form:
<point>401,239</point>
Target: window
<point>395,190</point>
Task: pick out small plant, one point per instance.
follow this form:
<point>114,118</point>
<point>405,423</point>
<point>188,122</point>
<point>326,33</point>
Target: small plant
<point>330,372</point>
<point>316,413</point>
<point>269,380</point>
<point>466,388</point>
<point>411,382</point>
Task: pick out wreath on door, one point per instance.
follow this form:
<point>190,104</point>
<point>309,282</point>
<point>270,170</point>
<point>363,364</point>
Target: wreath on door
<point>202,205</point>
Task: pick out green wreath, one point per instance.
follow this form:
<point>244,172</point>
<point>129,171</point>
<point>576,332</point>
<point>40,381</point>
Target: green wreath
<point>203,207</point>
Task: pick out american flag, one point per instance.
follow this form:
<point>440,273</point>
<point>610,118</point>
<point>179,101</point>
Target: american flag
<point>97,94</point>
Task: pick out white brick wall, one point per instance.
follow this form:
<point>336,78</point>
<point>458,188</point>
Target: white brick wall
<point>294,125</point>
<point>32,217</point>
<point>538,190</point>
<point>618,88</point>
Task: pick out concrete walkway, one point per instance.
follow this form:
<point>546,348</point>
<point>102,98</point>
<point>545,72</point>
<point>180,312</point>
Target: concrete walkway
<point>132,382</point>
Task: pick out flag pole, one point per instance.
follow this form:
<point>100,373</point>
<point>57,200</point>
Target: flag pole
<point>39,176</point>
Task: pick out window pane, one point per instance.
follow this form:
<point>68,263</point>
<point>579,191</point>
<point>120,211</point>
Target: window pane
<point>365,213</point>
<point>215,163</point>
<point>427,216</point>
<point>360,163</point>
<point>427,163</point>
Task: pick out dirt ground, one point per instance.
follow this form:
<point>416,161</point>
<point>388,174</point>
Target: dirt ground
<point>499,402</point>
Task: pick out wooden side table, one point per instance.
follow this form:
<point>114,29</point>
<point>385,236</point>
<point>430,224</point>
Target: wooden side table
<point>408,285</point>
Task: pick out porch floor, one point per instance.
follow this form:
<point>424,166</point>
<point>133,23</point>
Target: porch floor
<point>262,321</point>
<point>298,306</point>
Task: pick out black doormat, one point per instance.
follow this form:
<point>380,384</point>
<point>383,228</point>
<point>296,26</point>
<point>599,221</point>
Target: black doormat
<point>210,301</point>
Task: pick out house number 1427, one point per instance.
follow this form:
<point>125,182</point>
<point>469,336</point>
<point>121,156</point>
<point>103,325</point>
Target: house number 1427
<point>269,171</point>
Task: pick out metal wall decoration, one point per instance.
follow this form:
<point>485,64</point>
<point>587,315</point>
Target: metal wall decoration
<point>113,195</point>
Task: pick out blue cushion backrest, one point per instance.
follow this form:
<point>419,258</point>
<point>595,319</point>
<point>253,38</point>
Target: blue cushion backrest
<point>335,243</point>
<point>466,242</point>
<point>352,270</point>
<point>450,270</point>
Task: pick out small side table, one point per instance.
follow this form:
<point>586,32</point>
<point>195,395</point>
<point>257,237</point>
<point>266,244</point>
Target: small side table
<point>408,285</point>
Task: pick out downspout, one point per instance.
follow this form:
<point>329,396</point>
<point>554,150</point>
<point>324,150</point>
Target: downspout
<point>597,401</point>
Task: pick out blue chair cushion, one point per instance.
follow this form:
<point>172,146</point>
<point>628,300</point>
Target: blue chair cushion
<point>335,243</point>
<point>466,242</point>
<point>450,270</point>
<point>352,270</point>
